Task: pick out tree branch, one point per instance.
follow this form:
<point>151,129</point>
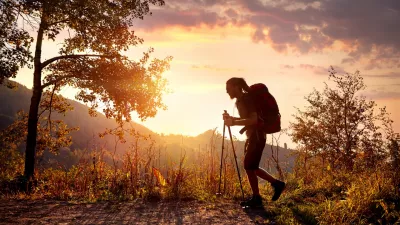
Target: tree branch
<point>50,107</point>
<point>47,62</point>
<point>57,22</point>
<point>55,81</point>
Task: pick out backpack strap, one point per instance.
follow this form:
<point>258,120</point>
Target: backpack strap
<point>243,129</point>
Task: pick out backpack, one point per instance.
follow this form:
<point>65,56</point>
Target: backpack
<point>269,118</point>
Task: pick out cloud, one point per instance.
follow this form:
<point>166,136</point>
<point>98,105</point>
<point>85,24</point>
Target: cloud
<point>381,87</point>
<point>377,94</point>
<point>391,75</point>
<point>184,18</point>
<point>188,14</point>
<point>368,29</point>
<point>215,68</point>
<point>231,13</point>
<point>287,66</point>
<point>320,70</point>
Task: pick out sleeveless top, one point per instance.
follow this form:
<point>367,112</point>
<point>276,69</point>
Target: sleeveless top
<point>245,106</point>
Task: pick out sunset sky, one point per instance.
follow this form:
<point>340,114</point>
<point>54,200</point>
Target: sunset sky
<point>288,45</point>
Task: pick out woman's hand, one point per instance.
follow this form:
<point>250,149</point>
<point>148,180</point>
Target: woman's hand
<point>225,116</point>
<point>229,121</point>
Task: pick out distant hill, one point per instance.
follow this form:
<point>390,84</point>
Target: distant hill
<point>209,139</point>
<point>13,100</point>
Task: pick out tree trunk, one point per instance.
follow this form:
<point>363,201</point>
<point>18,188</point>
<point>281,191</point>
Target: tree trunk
<point>30,153</point>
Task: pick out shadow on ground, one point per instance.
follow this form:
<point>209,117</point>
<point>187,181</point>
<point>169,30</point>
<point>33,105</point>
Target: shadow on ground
<point>133,212</point>
<point>260,215</point>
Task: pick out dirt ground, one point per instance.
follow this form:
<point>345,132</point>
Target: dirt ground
<point>134,212</point>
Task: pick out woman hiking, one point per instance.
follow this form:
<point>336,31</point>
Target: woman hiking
<point>255,143</point>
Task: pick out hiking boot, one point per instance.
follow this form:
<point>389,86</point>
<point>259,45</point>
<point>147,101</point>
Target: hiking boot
<point>278,186</point>
<point>255,201</point>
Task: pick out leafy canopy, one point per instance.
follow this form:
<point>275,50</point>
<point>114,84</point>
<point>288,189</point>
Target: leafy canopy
<point>339,123</point>
<point>95,34</point>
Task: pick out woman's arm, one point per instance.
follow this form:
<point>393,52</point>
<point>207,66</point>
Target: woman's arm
<point>242,122</point>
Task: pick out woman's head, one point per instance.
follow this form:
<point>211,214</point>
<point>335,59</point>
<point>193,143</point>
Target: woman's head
<point>236,86</point>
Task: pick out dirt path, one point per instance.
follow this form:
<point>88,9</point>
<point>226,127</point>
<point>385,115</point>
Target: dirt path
<point>177,212</point>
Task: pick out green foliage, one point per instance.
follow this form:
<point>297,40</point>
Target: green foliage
<point>105,75</point>
<point>72,113</point>
<point>120,86</point>
<point>369,199</point>
<point>339,124</point>
<point>130,176</point>
<point>53,134</point>
<point>100,27</point>
<point>14,41</point>
<point>343,172</point>
<point>10,138</point>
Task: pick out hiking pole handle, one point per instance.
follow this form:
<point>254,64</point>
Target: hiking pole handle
<point>225,114</point>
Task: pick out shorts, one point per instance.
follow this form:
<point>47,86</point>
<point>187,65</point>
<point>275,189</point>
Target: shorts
<point>253,148</point>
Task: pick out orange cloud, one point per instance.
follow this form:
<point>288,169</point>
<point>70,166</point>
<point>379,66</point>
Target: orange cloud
<point>298,25</point>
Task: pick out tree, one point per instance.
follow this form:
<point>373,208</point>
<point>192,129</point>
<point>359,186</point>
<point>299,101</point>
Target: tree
<point>339,124</point>
<point>91,57</point>
<point>395,162</point>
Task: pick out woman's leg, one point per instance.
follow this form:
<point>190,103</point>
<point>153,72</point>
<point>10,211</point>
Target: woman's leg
<point>253,180</point>
<point>264,175</point>
<point>253,148</point>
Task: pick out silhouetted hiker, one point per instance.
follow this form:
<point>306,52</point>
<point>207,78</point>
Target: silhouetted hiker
<point>256,138</point>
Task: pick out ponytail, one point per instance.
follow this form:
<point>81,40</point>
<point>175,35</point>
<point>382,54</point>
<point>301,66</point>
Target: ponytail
<point>238,81</point>
<point>245,87</point>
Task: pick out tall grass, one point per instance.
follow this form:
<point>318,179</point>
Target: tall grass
<point>130,175</point>
<point>315,193</point>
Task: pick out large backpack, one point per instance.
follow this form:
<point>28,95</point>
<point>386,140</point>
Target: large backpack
<point>269,118</point>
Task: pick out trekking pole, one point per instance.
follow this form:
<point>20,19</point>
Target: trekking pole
<point>237,166</point>
<point>222,156</point>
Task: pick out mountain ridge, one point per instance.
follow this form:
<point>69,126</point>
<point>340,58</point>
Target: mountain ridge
<point>89,127</point>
